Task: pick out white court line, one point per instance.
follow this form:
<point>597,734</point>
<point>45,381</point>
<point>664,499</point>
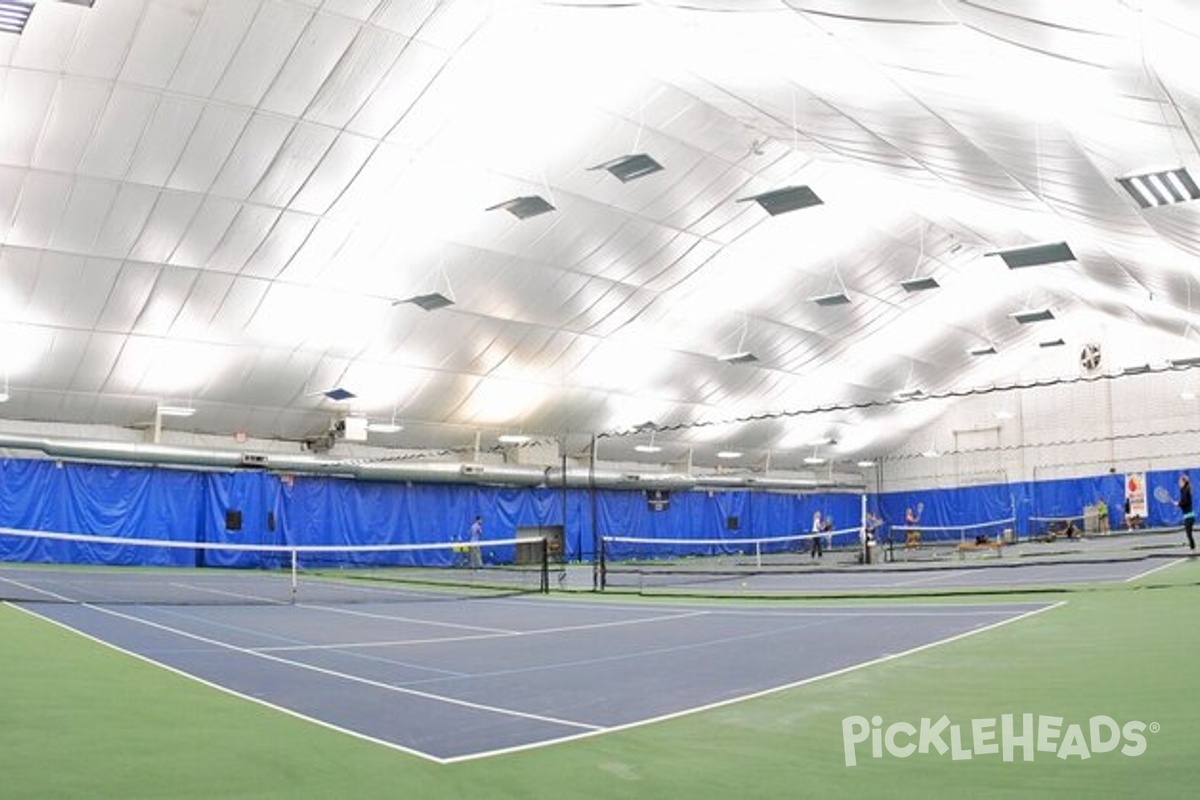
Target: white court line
<point>320,670</point>
<point>885,612</point>
<point>589,730</point>
<point>937,576</point>
<point>479,637</point>
<point>271,601</point>
<point>753,695</point>
<point>1155,569</point>
<point>39,590</point>
<point>225,689</point>
<point>371,615</point>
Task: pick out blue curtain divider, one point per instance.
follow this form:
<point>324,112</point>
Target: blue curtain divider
<point>193,506</point>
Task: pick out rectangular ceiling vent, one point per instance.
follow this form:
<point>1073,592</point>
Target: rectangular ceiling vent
<point>781,201</point>
<point>630,168</point>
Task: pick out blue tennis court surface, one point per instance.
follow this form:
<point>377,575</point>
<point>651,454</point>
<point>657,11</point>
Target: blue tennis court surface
<point>452,680</point>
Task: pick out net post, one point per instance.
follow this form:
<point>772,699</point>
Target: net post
<point>758,554</point>
<point>294,575</point>
<point>602,572</point>
<point>545,565</point>
<point>864,550</point>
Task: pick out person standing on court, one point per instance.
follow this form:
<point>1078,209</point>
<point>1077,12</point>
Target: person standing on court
<point>1185,505</point>
<point>815,550</point>
<point>913,536</point>
<point>475,534</point>
<point>815,545</point>
<point>1102,514</point>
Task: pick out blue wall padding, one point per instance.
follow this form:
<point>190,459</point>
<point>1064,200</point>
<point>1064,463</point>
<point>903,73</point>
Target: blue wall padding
<point>191,506</point>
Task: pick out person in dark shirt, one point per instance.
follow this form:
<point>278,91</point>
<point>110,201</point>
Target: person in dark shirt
<point>1185,505</point>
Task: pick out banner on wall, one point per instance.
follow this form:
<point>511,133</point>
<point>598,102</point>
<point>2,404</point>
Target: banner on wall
<point>1135,494</point>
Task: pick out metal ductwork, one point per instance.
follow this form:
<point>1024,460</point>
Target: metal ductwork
<point>146,454</point>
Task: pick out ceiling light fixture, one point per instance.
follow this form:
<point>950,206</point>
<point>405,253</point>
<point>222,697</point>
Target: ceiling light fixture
<point>524,207</point>
<point>1183,363</point>
<point>629,168</point>
<point>919,284</point>
<point>429,302</point>
<point>1031,315</point>
<point>866,463</point>
<point>729,454</point>
<point>831,299</point>
<point>1161,188</point>
<point>1036,255</point>
<point>741,355</point>
<point>1052,343</point>
<point>648,448</point>
<point>514,438</point>
<point>986,350</point>
<point>385,427</point>
<point>840,298</point>
<point>781,201</point>
<point>814,459</point>
<point>175,411</point>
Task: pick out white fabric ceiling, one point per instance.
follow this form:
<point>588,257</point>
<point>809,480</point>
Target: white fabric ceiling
<point>219,203</point>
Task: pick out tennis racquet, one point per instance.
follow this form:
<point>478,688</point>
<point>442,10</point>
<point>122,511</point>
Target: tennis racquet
<point>1162,495</point>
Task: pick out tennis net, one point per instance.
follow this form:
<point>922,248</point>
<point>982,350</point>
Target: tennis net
<point>641,562</point>
<point>52,567</point>
<point>1049,529</point>
<point>927,542</point>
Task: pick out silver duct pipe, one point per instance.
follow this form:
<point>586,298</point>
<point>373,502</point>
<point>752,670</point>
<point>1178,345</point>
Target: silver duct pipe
<point>400,471</point>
